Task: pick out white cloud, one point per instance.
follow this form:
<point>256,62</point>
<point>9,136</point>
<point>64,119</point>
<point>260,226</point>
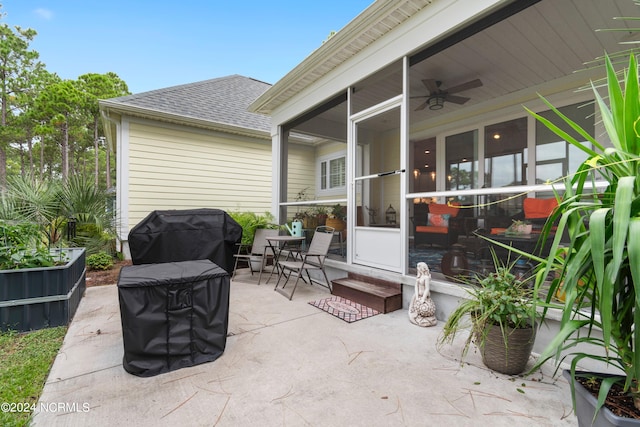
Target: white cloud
<point>44,13</point>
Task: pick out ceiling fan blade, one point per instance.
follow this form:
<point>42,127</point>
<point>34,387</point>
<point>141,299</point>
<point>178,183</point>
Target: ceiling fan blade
<point>456,99</point>
<point>465,86</point>
<point>422,106</point>
<point>431,85</point>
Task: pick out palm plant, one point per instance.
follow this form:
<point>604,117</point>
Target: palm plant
<point>36,201</point>
<point>599,268</point>
<point>50,204</point>
<point>89,206</point>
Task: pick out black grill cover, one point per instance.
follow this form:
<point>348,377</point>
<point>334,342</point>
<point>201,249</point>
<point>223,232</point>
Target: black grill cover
<point>185,235</point>
<point>173,315</point>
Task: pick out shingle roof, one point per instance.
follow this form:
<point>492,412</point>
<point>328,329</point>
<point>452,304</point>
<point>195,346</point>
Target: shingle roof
<point>222,100</point>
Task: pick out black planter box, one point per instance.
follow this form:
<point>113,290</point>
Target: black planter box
<point>174,315</point>
<point>36,298</point>
<point>586,403</point>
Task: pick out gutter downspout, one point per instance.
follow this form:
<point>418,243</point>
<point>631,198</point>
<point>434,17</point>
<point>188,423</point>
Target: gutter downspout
<point>122,223</point>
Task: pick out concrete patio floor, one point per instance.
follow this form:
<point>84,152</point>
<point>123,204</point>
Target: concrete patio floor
<point>288,363</point>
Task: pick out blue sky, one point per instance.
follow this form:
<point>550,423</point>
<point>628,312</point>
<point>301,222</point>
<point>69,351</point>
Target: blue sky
<point>156,44</point>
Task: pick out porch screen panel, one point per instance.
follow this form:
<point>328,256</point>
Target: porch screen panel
<point>313,156</point>
<point>379,137</point>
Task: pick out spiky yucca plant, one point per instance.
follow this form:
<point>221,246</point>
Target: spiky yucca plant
<point>599,269</point>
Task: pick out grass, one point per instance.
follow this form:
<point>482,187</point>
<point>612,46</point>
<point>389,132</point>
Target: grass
<point>25,361</point>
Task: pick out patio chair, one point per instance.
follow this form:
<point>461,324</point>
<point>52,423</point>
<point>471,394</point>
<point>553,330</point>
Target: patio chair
<point>313,259</point>
<point>436,224</point>
<point>257,253</point>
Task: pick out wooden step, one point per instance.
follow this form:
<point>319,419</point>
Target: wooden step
<point>381,295</point>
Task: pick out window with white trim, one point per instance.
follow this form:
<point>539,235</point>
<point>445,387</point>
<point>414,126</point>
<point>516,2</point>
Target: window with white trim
<point>332,174</point>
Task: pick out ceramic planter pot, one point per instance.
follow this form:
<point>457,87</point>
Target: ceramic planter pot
<point>512,358</point>
<point>257,263</point>
<point>586,407</point>
<point>523,229</point>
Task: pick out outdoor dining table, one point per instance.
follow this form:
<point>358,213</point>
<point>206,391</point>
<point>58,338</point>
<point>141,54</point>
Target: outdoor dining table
<point>279,243</point>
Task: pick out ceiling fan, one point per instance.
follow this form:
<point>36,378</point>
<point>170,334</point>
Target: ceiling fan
<point>437,95</point>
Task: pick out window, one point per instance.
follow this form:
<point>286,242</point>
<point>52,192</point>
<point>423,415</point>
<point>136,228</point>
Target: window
<point>332,174</point>
<point>461,158</point>
<point>556,158</point>
<point>505,155</point>
<point>424,166</point>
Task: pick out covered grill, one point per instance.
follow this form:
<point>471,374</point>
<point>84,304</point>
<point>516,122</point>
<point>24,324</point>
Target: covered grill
<point>186,235</point>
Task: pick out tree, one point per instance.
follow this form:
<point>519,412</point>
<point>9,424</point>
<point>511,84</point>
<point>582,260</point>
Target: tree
<point>96,87</point>
<point>59,105</point>
<point>49,127</point>
<point>17,63</point>
<point>27,119</point>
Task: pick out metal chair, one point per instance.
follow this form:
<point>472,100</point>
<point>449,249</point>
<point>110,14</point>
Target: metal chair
<point>313,259</point>
<point>257,252</point>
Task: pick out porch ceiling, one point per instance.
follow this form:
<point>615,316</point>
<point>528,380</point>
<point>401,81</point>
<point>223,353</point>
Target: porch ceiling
<point>550,40</point>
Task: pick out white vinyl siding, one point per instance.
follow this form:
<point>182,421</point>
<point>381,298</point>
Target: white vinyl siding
<point>301,172</point>
<point>171,168</point>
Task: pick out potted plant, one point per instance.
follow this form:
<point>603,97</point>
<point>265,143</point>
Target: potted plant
<point>599,269</point>
<point>309,220</point>
<point>501,315</point>
<point>335,218</point>
<point>321,213</point>
<point>519,227</point>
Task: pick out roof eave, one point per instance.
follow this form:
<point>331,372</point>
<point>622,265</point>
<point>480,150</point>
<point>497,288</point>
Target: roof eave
<point>336,46</point>
<point>149,113</point>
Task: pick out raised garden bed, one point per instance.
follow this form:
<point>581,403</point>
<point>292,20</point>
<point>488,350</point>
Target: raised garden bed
<point>36,298</point>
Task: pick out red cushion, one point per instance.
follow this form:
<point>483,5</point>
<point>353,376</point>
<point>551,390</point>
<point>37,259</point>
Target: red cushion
<point>440,208</point>
<point>538,208</point>
<point>431,229</point>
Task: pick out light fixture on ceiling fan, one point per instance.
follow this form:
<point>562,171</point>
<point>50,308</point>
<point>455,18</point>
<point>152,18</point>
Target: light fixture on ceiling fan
<point>435,102</point>
<point>437,96</point>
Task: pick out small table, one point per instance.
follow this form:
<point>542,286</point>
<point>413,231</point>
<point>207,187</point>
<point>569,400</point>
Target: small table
<point>529,243</point>
<point>277,244</point>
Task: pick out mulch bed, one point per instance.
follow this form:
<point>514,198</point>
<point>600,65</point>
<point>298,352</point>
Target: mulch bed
<point>105,277</point>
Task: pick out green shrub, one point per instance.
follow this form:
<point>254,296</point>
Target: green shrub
<point>21,246</point>
<point>100,261</point>
<point>250,221</point>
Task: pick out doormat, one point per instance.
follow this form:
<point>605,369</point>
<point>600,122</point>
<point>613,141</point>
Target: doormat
<point>344,309</point>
